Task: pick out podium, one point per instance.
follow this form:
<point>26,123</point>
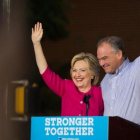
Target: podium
<point>121,129</point>
<point>66,128</point>
<point>69,128</point>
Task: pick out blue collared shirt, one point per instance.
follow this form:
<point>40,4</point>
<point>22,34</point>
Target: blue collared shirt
<point>121,91</point>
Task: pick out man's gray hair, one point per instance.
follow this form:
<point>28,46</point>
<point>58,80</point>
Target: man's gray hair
<point>115,42</point>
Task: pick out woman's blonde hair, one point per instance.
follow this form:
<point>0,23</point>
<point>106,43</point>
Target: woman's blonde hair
<point>92,62</point>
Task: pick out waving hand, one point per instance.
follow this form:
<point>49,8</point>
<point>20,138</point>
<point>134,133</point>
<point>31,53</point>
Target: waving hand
<point>37,33</point>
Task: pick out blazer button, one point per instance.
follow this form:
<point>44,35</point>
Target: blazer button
<point>81,102</point>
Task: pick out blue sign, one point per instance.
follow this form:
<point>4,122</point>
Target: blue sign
<point>69,128</point>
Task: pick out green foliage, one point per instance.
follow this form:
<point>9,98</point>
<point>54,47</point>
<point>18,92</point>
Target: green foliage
<point>52,14</point>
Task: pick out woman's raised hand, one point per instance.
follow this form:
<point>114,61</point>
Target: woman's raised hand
<point>37,33</point>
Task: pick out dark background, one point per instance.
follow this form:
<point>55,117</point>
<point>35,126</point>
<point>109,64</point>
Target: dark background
<point>76,28</point>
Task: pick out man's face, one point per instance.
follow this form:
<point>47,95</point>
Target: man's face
<point>108,60</point>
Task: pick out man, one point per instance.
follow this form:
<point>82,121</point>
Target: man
<point>121,84</point>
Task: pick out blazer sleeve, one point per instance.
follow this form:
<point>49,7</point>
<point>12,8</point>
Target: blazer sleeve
<point>101,103</point>
<point>54,82</point>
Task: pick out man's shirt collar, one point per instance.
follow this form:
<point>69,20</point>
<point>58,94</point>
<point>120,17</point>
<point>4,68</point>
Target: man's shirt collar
<point>122,67</point>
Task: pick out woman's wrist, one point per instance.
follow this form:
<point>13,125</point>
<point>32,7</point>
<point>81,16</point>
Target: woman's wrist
<point>37,44</point>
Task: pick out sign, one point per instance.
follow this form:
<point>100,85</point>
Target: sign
<point>69,128</point>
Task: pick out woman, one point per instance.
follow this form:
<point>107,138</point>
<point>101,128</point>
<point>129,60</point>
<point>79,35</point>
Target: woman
<point>85,74</point>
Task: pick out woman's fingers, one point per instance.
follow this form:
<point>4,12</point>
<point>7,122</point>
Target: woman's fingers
<point>37,27</point>
<point>40,26</point>
<point>37,32</point>
<point>32,30</point>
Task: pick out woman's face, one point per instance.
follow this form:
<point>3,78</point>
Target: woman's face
<point>81,75</point>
